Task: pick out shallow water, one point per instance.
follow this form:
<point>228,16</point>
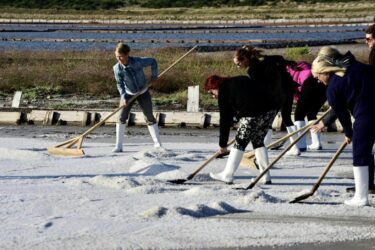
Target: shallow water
<point>101,37</point>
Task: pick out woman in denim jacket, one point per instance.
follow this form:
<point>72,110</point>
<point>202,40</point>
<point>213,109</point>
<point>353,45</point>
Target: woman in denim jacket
<point>131,81</point>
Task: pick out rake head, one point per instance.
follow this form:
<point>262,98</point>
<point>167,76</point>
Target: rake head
<point>248,160</point>
<point>66,151</point>
<point>177,181</point>
<point>301,197</point>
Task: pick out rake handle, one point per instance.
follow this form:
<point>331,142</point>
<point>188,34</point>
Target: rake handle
<point>328,167</point>
<point>317,184</point>
<point>250,154</point>
<point>252,184</point>
<point>207,161</point>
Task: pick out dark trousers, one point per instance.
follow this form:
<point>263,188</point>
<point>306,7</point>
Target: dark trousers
<point>311,99</point>
<point>371,174</point>
<point>363,142</point>
<point>144,100</point>
<point>286,109</point>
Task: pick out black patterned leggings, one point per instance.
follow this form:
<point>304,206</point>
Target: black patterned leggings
<point>253,129</point>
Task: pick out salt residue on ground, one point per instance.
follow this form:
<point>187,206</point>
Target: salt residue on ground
<point>107,200</point>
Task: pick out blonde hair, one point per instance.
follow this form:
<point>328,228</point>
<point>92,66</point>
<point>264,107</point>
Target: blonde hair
<point>323,65</point>
<point>326,60</point>
<point>329,51</point>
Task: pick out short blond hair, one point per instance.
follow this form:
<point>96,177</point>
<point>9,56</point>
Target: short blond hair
<point>329,51</point>
<point>322,65</point>
<point>325,62</point>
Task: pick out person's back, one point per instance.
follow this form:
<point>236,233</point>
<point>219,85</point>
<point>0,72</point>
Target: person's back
<point>270,72</point>
<point>358,87</point>
<point>246,96</point>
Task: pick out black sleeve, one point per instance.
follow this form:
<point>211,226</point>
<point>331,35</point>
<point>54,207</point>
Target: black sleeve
<point>226,117</point>
<point>371,59</point>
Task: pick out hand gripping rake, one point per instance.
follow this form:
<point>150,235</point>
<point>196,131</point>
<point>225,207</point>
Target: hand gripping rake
<point>252,184</point>
<point>69,151</point>
<point>317,184</point>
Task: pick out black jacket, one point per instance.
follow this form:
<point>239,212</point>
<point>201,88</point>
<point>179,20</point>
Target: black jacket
<point>371,58</point>
<point>271,72</point>
<point>239,97</point>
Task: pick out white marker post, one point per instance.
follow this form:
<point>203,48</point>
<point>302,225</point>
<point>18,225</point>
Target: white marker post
<point>193,99</point>
<point>16,99</point>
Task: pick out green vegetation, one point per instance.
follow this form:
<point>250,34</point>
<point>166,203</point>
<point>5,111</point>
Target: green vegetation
<point>66,4</point>
<point>43,74</point>
<point>298,53</point>
<point>183,10</point>
<point>89,74</point>
<point>42,91</point>
<point>219,3</point>
<point>114,4</point>
<point>65,105</point>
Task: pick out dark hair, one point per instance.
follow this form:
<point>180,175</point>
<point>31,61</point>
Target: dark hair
<point>122,48</point>
<point>249,52</point>
<point>371,30</point>
<point>214,82</point>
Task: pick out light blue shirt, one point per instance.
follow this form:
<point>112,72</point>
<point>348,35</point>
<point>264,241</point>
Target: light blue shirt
<point>131,78</point>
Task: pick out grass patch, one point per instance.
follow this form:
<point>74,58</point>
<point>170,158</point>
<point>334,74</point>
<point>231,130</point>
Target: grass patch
<point>297,53</point>
<point>40,92</point>
<point>89,74</point>
<point>271,10</point>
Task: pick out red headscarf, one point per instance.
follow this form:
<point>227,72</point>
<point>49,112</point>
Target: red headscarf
<point>214,82</point>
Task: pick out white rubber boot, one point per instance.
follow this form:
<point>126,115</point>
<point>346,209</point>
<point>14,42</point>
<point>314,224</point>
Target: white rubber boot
<point>155,134</point>
<point>261,155</point>
<point>315,141</point>
<point>294,151</point>
<point>233,163</point>
<point>268,138</point>
<point>301,143</point>
<point>120,130</point>
<point>360,198</point>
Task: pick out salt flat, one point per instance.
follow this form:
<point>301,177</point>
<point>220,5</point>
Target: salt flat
<point>123,201</point>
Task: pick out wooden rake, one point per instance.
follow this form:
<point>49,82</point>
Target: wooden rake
<point>317,184</point>
<point>68,150</point>
<point>254,182</point>
<point>248,156</point>
<point>191,176</point>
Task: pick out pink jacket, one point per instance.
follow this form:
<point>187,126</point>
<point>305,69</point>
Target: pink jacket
<point>300,72</point>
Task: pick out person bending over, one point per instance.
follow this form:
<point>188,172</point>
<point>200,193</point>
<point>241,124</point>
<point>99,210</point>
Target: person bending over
<point>351,90</point>
<point>252,104</point>
<point>271,69</point>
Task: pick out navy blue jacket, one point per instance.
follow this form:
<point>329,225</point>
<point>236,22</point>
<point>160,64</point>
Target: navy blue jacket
<point>354,92</point>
